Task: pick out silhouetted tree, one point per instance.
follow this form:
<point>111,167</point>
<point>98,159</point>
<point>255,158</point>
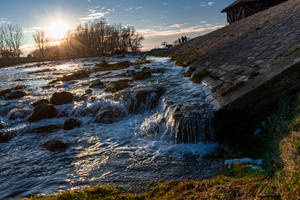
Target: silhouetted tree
<point>11,40</point>
<point>97,38</point>
<point>41,41</point>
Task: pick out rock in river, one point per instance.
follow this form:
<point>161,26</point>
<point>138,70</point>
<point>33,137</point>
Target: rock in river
<point>60,98</point>
<point>18,113</point>
<point>138,99</point>
<point>110,115</point>
<point>42,111</point>
<point>116,86</point>
<point>15,95</point>
<point>40,101</point>
<point>96,84</point>
<point>55,145</point>
<point>6,136</point>
<point>46,129</point>
<point>71,124</point>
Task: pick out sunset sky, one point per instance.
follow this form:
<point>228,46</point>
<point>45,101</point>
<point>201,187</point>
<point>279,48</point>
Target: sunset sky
<point>157,20</point>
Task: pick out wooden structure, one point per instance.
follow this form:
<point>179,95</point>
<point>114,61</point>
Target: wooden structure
<point>244,8</point>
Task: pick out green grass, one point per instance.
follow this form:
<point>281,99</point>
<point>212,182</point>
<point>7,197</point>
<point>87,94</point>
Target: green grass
<point>198,76</point>
<point>292,51</point>
<point>278,145</point>
<point>253,75</point>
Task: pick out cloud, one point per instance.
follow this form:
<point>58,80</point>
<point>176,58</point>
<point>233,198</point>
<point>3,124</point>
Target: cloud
<point>34,29</point>
<point>175,25</point>
<point>95,13</point>
<point>4,21</point>
<point>192,29</point>
<point>136,8</point>
<point>205,4</point>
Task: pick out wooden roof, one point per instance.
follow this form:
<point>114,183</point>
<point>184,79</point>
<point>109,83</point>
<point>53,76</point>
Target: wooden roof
<point>238,3</point>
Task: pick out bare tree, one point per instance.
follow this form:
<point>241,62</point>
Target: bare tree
<point>41,41</point>
<point>2,43</point>
<point>13,39</point>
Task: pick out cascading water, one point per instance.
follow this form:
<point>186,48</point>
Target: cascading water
<point>157,129</point>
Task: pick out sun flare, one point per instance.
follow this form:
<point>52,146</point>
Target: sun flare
<point>58,30</point>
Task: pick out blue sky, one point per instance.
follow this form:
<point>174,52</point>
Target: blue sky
<point>157,20</point>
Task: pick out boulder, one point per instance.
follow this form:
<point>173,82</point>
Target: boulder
<point>60,98</point>
<point>6,136</point>
<point>110,115</point>
<point>88,91</point>
<point>96,84</point>
<point>116,86</point>
<point>144,74</point>
<point>15,95</point>
<point>55,145</point>
<point>40,101</point>
<point>139,99</point>
<point>42,111</point>
<point>71,124</point>
<point>46,129</point>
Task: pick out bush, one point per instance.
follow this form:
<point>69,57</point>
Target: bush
<point>198,76</point>
<point>253,74</point>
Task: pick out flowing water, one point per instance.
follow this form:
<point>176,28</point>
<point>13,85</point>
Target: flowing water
<point>162,140</point>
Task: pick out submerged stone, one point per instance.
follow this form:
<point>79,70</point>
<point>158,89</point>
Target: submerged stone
<point>6,136</point>
<point>18,114</point>
<point>110,115</point>
<point>55,145</point>
<point>71,124</point>
<point>46,129</point>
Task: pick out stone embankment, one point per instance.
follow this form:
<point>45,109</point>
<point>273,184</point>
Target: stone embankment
<point>247,65</point>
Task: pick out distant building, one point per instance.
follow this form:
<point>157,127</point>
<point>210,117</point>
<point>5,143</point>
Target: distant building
<point>244,8</point>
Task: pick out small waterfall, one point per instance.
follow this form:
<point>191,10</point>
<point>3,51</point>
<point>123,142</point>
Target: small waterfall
<point>191,126</point>
<point>194,129</point>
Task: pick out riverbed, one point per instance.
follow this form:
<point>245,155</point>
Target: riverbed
<point>166,141</point>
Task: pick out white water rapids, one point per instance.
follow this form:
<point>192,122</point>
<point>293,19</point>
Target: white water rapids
<point>163,143</point>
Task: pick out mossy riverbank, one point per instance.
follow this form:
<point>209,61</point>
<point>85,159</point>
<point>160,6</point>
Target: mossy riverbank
<point>278,144</point>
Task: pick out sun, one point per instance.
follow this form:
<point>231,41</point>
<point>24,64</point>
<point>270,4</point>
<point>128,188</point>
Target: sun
<point>58,30</point>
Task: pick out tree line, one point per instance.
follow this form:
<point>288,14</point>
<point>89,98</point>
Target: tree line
<point>95,38</point>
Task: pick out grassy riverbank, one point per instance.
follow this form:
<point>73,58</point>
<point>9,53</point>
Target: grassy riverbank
<point>278,144</point>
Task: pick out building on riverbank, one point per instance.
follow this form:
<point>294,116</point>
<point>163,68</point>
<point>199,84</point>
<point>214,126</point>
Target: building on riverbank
<point>244,8</point>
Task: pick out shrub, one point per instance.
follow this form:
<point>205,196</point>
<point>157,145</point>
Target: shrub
<point>198,76</point>
<point>253,74</point>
